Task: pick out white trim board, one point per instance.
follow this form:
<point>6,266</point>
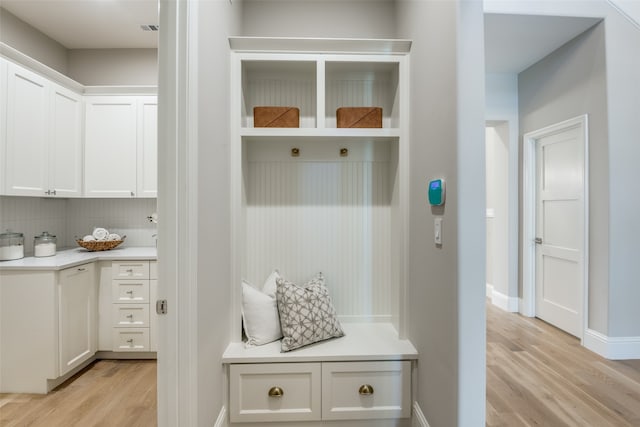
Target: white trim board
<point>221,421</point>
<point>501,300</point>
<point>418,420</point>
<point>613,348</point>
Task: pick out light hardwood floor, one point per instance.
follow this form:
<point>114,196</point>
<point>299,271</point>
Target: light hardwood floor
<point>538,375</point>
<point>108,393</point>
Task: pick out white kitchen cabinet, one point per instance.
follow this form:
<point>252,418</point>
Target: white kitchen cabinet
<point>147,168</point>
<point>3,118</point>
<point>110,146</point>
<point>78,327</point>
<point>43,143</point>
<point>153,297</point>
<point>48,326</point>
<point>120,146</point>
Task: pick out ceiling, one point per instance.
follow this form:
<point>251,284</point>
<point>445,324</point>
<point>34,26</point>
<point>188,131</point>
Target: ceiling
<point>90,24</point>
<point>515,42</point>
<point>512,42</point>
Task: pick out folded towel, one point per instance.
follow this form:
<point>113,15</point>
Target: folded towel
<point>100,233</point>
<point>89,238</point>
<point>113,236</point>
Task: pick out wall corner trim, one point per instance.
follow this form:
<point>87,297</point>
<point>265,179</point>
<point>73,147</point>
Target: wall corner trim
<point>221,421</point>
<point>612,348</point>
<point>419,420</point>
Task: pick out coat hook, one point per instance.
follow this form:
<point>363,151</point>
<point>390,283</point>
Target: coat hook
<point>295,152</point>
<point>344,152</point>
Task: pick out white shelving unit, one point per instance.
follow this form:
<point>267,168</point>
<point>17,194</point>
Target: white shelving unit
<point>338,206</point>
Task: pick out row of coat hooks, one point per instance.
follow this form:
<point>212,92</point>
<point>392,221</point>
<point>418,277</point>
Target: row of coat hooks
<point>295,152</point>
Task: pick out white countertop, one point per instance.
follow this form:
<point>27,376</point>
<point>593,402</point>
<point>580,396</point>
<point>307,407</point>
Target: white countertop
<point>72,257</point>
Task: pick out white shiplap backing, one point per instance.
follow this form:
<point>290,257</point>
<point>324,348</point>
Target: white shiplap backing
<point>305,216</point>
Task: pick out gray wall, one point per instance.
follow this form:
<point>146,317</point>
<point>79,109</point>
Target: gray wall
<point>114,66</point>
<point>568,83</point>
<point>23,37</point>
<point>312,18</point>
<point>447,287</point>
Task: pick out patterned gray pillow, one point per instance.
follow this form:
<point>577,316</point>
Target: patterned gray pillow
<point>306,313</point>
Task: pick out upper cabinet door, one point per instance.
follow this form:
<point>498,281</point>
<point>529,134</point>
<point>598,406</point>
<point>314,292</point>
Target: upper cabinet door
<point>110,146</point>
<point>65,155</point>
<point>27,133</point>
<point>148,146</point>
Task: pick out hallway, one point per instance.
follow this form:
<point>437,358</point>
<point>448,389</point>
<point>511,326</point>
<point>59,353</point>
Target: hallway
<point>538,375</point>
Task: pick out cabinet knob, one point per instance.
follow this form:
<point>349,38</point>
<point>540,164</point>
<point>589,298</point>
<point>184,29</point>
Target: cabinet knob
<point>133,194</point>
<point>365,390</point>
<point>276,392</point>
<point>53,192</point>
<point>47,192</point>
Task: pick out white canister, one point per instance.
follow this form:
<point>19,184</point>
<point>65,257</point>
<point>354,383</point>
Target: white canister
<point>11,246</point>
<point>44,245</point>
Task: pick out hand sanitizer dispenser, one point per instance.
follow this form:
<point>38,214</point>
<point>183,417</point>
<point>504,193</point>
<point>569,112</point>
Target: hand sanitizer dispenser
<point>436,192</point>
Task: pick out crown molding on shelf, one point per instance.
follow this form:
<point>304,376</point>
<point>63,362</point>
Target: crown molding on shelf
<point>320,45</point>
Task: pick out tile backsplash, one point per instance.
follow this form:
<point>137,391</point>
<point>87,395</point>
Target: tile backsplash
<point>68,218</point>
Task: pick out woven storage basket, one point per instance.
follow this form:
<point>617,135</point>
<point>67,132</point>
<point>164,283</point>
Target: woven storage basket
<point>102,245</point>
<point>276,117</point>
<point>359,117</point>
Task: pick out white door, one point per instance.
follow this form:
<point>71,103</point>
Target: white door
<point>560,225</point>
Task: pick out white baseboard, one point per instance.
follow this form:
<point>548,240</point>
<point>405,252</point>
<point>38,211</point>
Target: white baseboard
<point>501,300</point>
<point>419,420</point>
<point>221,421</point>
<point>489,290</point>
<point>613,348</point>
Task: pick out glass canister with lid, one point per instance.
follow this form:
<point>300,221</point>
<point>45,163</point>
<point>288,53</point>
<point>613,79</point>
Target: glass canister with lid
<point>44,245</point>
<point>11,246</point>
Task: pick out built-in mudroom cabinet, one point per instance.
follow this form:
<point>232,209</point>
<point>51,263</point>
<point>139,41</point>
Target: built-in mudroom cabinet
<point>322,198</point>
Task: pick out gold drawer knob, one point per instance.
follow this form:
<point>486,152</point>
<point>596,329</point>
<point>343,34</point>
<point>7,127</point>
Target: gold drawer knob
<point>365,390</point>
<point>276,392</point>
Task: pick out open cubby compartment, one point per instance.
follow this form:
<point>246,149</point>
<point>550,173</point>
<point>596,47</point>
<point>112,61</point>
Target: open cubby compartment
<point>325,212</point>
<point>279,83</point>
<point>363,84</point>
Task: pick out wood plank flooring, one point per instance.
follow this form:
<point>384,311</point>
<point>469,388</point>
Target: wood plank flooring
<point>538,375</point>
<point>108,393</point>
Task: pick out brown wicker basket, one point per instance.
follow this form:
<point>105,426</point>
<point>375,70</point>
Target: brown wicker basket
<point>102,245</point>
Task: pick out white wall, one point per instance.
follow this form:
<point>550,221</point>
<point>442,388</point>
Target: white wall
<point>25,38</point>
<point>447,283</point>
<point>68,218</point>
<point>497,161</point>
<point>501,107</point>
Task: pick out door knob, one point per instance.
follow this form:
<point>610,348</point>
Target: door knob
<point>538,240</point>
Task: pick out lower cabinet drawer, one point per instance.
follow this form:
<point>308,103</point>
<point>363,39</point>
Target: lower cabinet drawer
<point>275,392</point>
<point>366,390</point>
<point>130,339</point>
<point>130,315</point>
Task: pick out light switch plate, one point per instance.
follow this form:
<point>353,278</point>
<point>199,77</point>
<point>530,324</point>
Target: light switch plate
<point>437,231</point>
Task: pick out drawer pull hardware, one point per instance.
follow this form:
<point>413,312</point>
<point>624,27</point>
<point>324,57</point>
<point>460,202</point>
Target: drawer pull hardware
<point>130,292</point>
<point>276,392</point>
<point>82,269</point>
<point>129,270</point>
<point>129,316</point>
<point>130,340</point>
<point>365,390</point>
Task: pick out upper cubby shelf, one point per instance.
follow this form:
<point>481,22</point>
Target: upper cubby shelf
<point>319,76</point>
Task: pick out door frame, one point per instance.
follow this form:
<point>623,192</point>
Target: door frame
<point>528,306</point>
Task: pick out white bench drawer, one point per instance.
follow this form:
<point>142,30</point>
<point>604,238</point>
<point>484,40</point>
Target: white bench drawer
<point>252,388</point>
<point>366,390</point>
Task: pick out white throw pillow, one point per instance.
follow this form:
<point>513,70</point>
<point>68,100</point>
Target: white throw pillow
<point>260,312</point>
